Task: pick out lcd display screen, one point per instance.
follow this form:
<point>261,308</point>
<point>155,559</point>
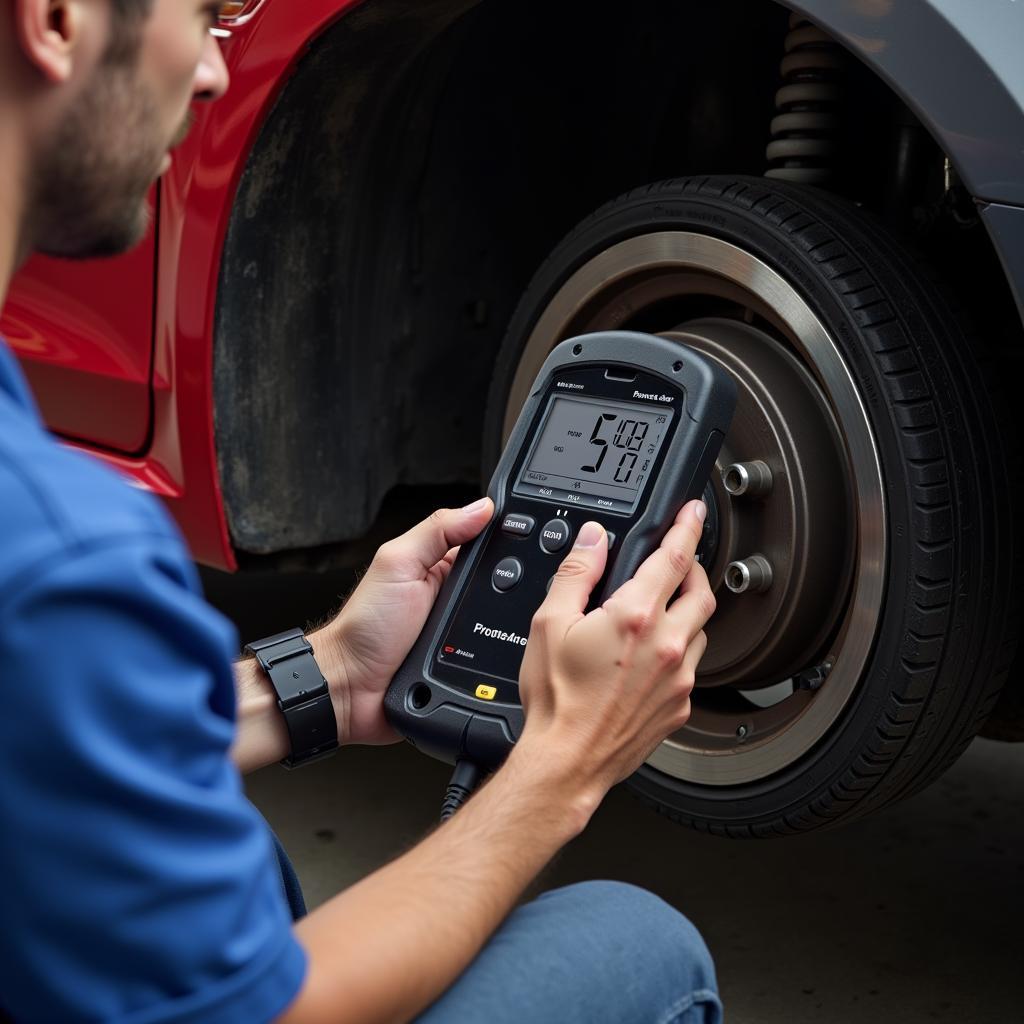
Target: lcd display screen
<point>594,452</point>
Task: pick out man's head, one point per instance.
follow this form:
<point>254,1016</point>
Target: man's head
<point>103,89</point>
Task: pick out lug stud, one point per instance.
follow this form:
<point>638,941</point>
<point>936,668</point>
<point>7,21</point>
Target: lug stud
<point>747,479</point>
<point>749,575</point>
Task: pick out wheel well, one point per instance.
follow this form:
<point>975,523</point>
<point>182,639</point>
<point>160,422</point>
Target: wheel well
<point>414,173</point>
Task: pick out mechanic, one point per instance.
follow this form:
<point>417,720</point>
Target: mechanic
<point>139,883</point>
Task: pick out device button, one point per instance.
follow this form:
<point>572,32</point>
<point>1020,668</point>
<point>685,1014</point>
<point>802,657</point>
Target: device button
<point>485,692</point>
<point>507,573</point>
<point>611,539</point>
<point>517,525</point>
<point>554,536</point>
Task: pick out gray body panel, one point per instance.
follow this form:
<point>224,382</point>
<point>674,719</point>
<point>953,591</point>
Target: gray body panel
<point>958,65</point>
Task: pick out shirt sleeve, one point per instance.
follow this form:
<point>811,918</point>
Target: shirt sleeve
<point>139,884</point>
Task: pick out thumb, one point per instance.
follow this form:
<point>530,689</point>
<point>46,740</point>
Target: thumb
<point>412,553</point>
<point>579,572</point>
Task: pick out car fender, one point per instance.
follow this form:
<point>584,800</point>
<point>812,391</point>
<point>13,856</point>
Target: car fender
<point>956,64</point>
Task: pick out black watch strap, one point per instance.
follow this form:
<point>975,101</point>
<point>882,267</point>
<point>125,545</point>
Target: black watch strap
<point>302,695</point>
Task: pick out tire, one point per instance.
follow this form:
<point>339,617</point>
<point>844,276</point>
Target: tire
<point>934,643</point>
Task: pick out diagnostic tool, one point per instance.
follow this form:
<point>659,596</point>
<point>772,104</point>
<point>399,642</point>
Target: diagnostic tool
<point>619,427</point>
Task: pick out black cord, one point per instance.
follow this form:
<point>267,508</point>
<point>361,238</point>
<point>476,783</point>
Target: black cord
<point>465,779</point>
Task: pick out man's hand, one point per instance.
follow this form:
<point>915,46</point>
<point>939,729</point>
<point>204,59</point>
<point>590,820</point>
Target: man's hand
<point>380,622</point>
<point>360,650</point>
<point>602,690</point>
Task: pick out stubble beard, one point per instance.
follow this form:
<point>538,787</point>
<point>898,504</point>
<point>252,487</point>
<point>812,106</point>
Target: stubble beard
<point>92,180</point>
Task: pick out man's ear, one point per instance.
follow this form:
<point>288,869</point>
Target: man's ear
<point>48,31</point>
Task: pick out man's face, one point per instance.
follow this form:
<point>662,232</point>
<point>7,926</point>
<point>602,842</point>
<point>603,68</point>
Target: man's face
<point>93,176</point>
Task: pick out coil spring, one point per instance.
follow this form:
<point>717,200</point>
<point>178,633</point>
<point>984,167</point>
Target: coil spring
<point>805,129</point>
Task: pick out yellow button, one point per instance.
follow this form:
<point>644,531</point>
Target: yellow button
<point>486,692</point>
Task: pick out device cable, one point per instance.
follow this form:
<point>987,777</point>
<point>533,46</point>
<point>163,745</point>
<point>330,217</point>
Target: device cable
<point>465,779</point>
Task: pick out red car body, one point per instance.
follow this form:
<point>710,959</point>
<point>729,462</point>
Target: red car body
<point>119,354</point>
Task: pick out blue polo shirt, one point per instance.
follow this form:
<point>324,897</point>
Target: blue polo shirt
<point>137,883</point>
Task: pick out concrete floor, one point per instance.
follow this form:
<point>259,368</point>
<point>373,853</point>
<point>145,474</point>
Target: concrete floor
<point>914,915</point>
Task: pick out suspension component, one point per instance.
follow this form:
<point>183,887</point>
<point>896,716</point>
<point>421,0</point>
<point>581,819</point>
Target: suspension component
<point>806,128</point>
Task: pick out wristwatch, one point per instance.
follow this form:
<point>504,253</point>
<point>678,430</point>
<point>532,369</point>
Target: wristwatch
<point>302,695</point>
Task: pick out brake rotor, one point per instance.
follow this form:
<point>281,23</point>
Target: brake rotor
<point>796,523</point>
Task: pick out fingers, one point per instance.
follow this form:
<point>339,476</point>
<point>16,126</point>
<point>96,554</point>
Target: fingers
<point>412,554</point>
<point>578,574</point>
<point>696,603</point>
<point>439,573</point>
<point>661,574</point>
<point>694,652</point>
<point>684,679</point>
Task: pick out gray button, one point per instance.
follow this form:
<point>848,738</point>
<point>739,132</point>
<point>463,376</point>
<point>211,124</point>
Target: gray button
<point>554,536</point>
<point>517,525</point>
<point>611,539</point>
<point>507,573</point>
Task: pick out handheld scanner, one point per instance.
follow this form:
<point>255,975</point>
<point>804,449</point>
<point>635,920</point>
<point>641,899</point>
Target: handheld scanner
<point>619,427</point>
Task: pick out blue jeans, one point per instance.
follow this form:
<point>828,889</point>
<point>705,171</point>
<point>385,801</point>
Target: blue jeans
<point>587,954</point>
